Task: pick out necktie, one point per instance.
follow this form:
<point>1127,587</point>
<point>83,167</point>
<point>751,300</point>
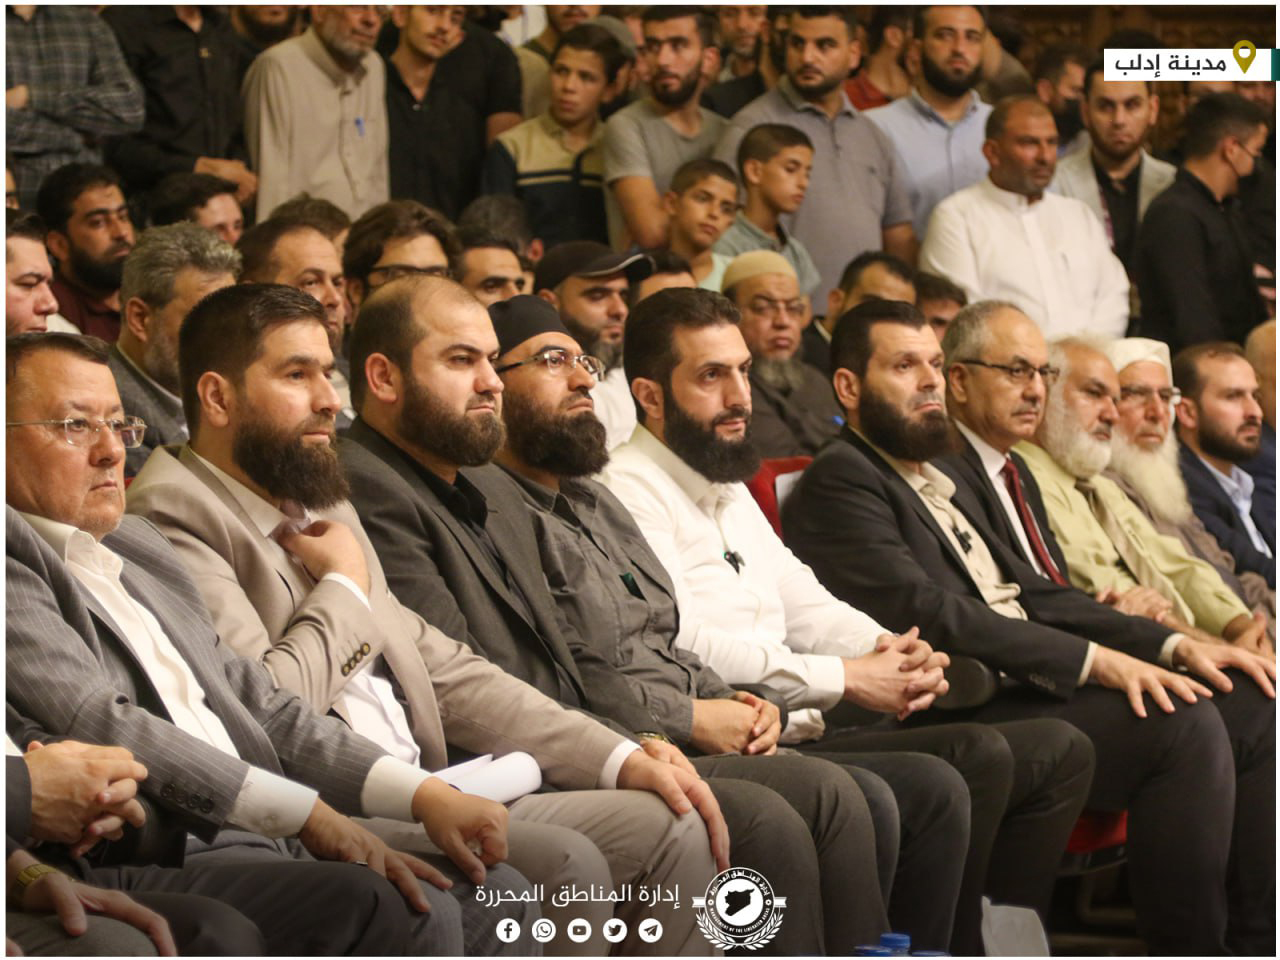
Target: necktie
<point>1011,480</point>
<point>1131,553</point>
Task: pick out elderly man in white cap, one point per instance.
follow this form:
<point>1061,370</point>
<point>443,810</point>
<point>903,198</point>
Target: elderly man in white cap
<point>1108,543</point>
<point>1144,464</point>
<point>794,409</point>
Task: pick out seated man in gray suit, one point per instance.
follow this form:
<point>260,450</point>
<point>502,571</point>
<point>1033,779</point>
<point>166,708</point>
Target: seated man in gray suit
<point>459,546</point>
<point>165,275</point>
<point>108,641</point>
<point>256,507</point>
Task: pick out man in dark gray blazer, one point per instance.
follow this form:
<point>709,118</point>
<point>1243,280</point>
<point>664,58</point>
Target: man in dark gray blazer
<point>165,275</point>
<point>884,529</point>
<point>108,641</point>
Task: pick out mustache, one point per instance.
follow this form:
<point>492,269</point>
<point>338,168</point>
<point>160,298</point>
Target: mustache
<point>736,412</point>
<point>927,396</point>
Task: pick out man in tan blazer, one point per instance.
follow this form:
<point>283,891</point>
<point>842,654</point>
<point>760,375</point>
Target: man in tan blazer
<point>256,508</point>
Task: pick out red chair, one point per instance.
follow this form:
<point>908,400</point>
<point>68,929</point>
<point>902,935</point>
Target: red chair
<point>764,485</point>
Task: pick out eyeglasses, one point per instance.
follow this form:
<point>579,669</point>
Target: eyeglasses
<point>81,432</point>
<point>559,362</point>
<point>1141,396</point>
<point>394,271</point>
<point>768,307</point>
<point>1019,372</point>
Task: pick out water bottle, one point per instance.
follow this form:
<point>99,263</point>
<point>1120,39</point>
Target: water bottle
<point>898,944</point>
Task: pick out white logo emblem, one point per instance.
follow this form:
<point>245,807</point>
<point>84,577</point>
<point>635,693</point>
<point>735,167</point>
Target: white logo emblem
<point>739,910</point>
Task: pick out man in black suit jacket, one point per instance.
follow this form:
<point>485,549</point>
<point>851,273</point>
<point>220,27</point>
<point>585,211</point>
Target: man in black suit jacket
<point>458,545</point>
<point>886,530</point>
<point>1219,430</point>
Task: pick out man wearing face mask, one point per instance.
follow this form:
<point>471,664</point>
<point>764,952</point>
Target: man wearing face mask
<point>1059,82</point>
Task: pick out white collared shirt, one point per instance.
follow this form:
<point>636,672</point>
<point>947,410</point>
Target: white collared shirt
<point>267,803</point>
<point>993,462</point>
<point>1238,486</point>
<point>1050,258</point>
<point>614,407</point>
<point>770,621</point>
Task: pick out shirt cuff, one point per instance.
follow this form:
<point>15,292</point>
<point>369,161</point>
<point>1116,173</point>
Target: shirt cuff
<point>1088,664</point>
<point>350,585</point>
<point>613,766</point>
<point>1166,651</point>
<point>826,681</point>
<point>389,788</point>
<point>271,806</point>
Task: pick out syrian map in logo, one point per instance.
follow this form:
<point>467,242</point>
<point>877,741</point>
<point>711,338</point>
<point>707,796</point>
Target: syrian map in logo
<point>739,910</point>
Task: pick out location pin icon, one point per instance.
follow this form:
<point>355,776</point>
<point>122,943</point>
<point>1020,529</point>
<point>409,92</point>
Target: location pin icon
<point>1244,52</point>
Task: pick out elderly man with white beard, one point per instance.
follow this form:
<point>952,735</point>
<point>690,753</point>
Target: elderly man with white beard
<point>1107,541</point>
<point>1144,464</point>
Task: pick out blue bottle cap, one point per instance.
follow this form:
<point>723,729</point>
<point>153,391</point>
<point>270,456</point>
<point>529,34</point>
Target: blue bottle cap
<point>895,941</point>
<point>872,951</point>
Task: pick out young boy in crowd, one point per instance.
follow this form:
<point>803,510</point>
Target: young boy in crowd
<point>553,162</point>
<point>701,204</point>
<point>774,160</point>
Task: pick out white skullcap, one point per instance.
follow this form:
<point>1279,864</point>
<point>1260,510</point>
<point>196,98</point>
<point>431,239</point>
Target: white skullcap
<point>1129,350</point>
<point>753,264</point>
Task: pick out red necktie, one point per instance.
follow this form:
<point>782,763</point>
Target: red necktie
<point>1011,480</point>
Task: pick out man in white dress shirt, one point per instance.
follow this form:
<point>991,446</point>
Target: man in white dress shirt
<point>756,614</point>
<point>1006,238</point>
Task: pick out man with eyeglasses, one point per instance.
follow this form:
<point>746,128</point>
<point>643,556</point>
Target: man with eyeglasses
<point>398,238</point>
<point>1109,546</point>
<point>1144,464</point>
<point>793,410</point>
<point>884,528</point>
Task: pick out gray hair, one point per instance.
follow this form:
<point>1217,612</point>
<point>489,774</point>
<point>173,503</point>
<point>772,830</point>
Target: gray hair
<point>152,267</point>
<point>967,334</point>
<point>1059,351</point>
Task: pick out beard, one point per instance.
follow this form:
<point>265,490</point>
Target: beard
<point>1075,450</point>
<point>1069,121</point>
<point>608,352</point>
<point>160,360</point>
<point>566,444</point>
<point>886,427</point>
<point>98,273</point>
<point>460,439</point>
<point>1156,476</point>
<point>947,83</point>
<point>781,373</point>
<point>682,94</point>
<point>1227,446</point>
<point>820,88</point>
<point>717,459</point>
<point>278,461</point>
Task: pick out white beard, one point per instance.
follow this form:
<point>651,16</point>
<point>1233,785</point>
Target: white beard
<point>1156,476</point>
<point>1075,451</point>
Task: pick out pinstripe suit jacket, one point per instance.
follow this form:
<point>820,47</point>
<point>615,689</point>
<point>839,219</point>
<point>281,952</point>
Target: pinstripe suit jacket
<point>264,607</point>
<point>70,671</point>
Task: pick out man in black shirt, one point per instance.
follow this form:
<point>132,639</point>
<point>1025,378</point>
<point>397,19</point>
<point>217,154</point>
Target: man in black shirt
<point>446,75</point>
<point>1193,261</point>
<point>190,65</point>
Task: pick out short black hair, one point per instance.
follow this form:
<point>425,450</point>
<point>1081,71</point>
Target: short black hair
<point>1054,60</point>
<point>500,213</point>
<point>692,172</point>
<point>594,38</point>
<point>705,25</point>
<point>918,15</point>
<point>24,224</point>
<point>257,246</point>
<point>225,330</point>
<point>1215,117</point>
<point>846,14</point>
<point>394,220</point>
<point>386,324</point>
<point>882,18</point>
<point>1098,69</point>
<point>22,345</point>
<point>859,265</point>
<point>179,195</point>
<point>56,198</point>
<point>648,339</point>
<point>851,345</point>
<point>325,215</point>
<point>931,286</point>
<point>477,238</point>
<point>765,141</point>
<point>1186,364</point>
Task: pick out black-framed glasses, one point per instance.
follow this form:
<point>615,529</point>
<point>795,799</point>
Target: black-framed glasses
<point>1019,372</point>
<point>1138,396</point>
<point>394,271</point>
<point>83,432</point>
<point>768,307</point>
<point>559,361</point>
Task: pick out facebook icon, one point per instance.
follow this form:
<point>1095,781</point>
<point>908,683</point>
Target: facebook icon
<point>508,930</point>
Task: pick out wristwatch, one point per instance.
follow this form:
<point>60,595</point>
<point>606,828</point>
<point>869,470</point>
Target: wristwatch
<point>25,878</point>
